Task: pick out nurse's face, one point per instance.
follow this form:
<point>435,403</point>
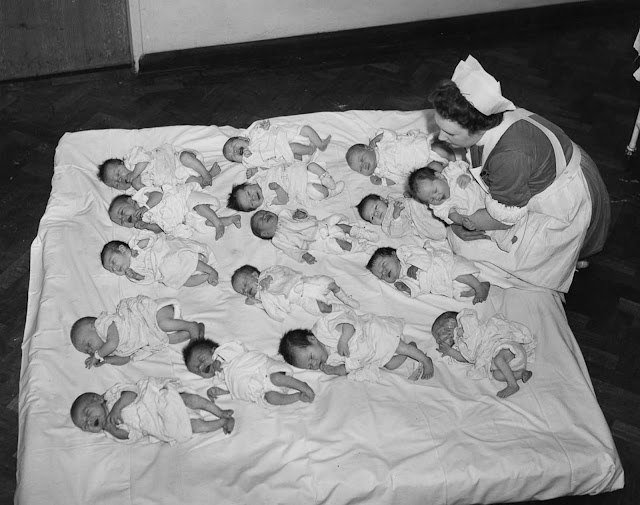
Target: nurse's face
<point>456,135</point>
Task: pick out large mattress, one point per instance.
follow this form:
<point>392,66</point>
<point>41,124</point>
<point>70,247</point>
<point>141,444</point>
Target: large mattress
<point>448,440</point>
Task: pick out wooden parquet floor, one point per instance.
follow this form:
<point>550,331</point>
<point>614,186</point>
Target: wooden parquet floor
<point>575,70</point>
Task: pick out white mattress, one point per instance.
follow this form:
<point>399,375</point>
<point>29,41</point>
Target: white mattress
<point>448,440</point>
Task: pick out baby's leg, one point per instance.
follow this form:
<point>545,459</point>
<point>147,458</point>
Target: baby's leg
<point>202,426</point>
<point>415,353</point>
<point>217,222</point>
<point>178,329</point>
<point>323,175</point>
<point>300,150</point>
<point>501,363</point>
<point>481,289</point>
<point>314,138</point>
<point>398,359</point>
<point>197,402</point>
<point>325,308</point>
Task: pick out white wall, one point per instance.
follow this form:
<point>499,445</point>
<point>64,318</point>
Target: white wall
<point>168,25</point>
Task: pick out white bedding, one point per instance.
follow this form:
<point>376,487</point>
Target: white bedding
<point>448,440</point>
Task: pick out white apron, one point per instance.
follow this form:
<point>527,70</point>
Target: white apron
<point>547,249</point>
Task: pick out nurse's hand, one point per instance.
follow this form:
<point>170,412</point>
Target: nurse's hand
<point>467,235</point>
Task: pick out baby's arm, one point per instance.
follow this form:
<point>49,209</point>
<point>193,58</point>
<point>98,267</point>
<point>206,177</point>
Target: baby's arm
<point>106,349</point>
<point>334,370</point>
<point>282,197</point>
<point>483,221</point>
<point>374,141</point>
<point>205,273</point>
<point>126,399</point>
<point>465,221</point>
<point>308,258</point>
<point>446,350</point>
<point>347,331</point>
<point>115,360</point>
<point>398,206</point>
<point>136,172</point>
<point>402,287</point>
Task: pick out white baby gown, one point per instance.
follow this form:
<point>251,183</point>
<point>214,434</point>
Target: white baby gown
<point>164,165</point>
<point>174,213</point>
<point>289,287</point>
<point>400,154</point>
<point>270,147</point>
<point>414,219</point>
<point>138,330</point>
<point>467,201</point>
<point>480,342</point>
<point>246,373</point>
<point>295,237</point>
<point>437,267</point>
<point>373,344</point>
<point>165,259</point>
<point>158,411</point>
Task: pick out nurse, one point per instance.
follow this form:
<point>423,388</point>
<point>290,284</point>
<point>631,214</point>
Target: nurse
<point>535,176</point>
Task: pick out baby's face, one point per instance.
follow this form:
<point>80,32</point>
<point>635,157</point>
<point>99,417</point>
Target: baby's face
<point>387,268</point>
<point>374,211</point>
<point>311,357</point>
<point>446,332</point>
<point>363,160</point>
<point>250,197</point>
<point>264,222</point>
<point>126,213</point>
<point>202,363</point>
<point>234,149</point>
<point>246,284</point>
<point>114,176</point>
<point>118,262</point>
<point>87,339</point>
<point>432,192</point>
<point>92,414</point>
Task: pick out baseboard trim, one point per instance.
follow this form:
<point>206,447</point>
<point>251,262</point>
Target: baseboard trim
<point>465,30</point>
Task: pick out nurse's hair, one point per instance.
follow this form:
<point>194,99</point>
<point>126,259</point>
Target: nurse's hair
<point>451,104</point>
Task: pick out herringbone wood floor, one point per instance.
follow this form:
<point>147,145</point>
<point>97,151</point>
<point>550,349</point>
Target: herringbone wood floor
<point>575,70</point>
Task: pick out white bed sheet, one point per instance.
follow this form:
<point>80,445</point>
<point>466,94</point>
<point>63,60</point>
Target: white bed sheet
<point>448,440</point>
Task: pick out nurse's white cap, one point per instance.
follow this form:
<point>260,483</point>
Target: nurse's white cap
<point>479,88</point>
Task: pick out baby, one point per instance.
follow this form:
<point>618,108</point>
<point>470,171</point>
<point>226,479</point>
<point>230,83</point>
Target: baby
<point>455,197</point>
<point>153,407</point>
<point>165,165</point>
<point>497,348</point>
<point>434,269</point>
<point>344,343</point>
<point>150,257</point>
<point>401,216</point>
<point>267,146</point>
<point>277,186</point>
<point>176,210</point>
<point>137,329</point>
<point>390,157</point>
<point>296,233</point>
<point>246,375</point>
<point>278,287</point>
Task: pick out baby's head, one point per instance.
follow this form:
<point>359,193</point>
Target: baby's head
<point>372,208</point>
<point>361,158</point>
<point>113,172</point>
<point>302,349</point>
<point>84,336</point>
<point>443,327</point>
<point>244,281</point>
<point>245,197</point>
<point>125,211</point>
<point>89,412</point>
<point>116,257</point>
<point>428,186</point>
<point>385,265</point>
<point>263,224</point>
<point>198,356</point>
<point>233,148</point>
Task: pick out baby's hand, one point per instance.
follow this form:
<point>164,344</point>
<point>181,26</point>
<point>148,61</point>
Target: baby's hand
<point>246,152</point>
<point>468,223</point>
<point>264,283</point>
<point>129,178</point>
<point>250,300</point>
<point>463,181</point>
<point>115,417</point>
<point>444,349</point>
<point>412,272</point>
<point>213,278</point>
<point>343,349</point>
<point>300,214</point>
<point>228,425</point>
<point>308,258</point>
<point>389,182</point>
<point>329,369</point>
<point>397,209</point>
<point>132,275</point>
<point>307,394</point>
<point>402,287</point>
<point>92,361</point>
<point>265,124</point>
<point>251,172</point>
<point>375,180</point>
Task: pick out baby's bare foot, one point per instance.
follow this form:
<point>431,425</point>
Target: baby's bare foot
<point>482,293</point>
<point>508,391</point>
<point>236,220</point>
<point>323,145</point>
<point>215,169</point>
<point>427,371</point>
<point>526,375</point>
